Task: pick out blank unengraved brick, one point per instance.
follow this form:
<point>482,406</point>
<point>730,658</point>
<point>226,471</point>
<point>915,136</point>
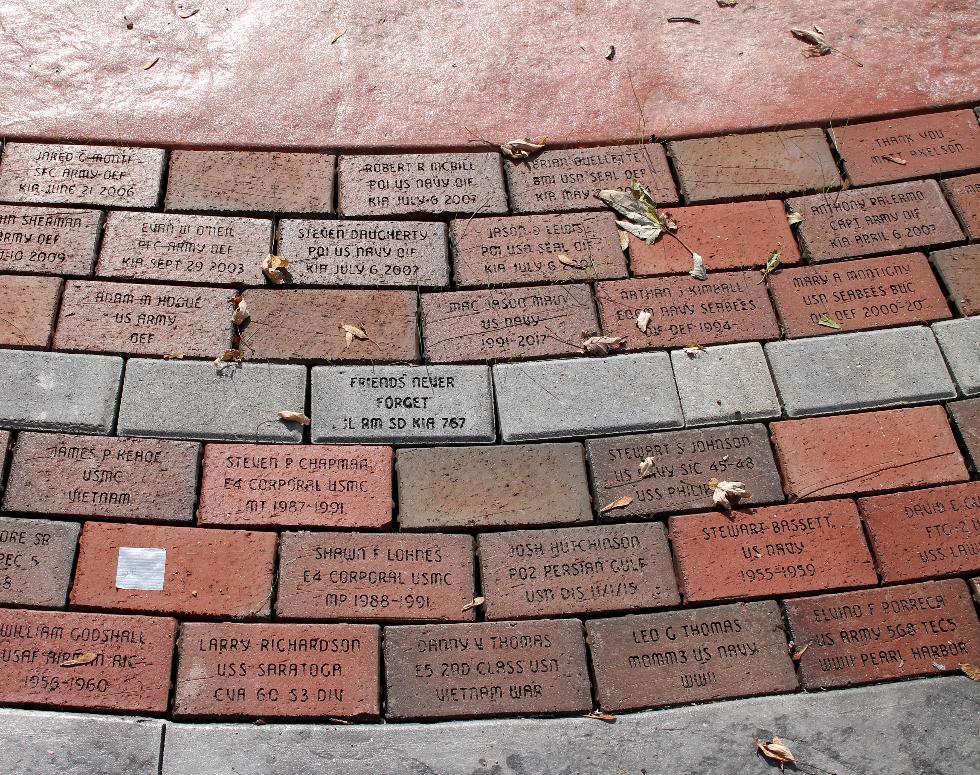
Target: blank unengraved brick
<point>250,181</point>
<point>48,240</point>
<point>754,165</point>
<point>498,486</point>
<point>278,671</point>
<point>58,391</point>
<point>966,416</point>
<point>730,383</point>
<point>186,571</point>
<point>864,370</point>
<point>130,671</point>
<point>964,194</point>
<point>586,397</point>
<point>695,655</point>
<point>959,269</point>
<point>867,453</point>
<point>36,559</point>
<point>491,669</point>
<point>27,310</point>
<point>129,479</point>
<point>960,342</point>
<point>195,400</point>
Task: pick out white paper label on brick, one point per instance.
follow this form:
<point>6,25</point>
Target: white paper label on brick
<point>140,568</point>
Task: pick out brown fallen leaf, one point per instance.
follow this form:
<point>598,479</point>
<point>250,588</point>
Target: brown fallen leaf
<point>566,260</point>
<point>669,223</point>
<point>228,356</point>
<point>646,466</point>
<point>297,417</point>
<point>776,750</point>
<point>351,333</point>
<point>600,716</point>
<point>474,603</point>
<point>338,35</point>
<point>274,268</point>
<point>772,264</point>
<point>798,655</point>
<point>150,64</point>
<point>83,659</point>
<point>521,149</point>
<point>970,671</point>
<point>727,3</point>
<point>643,320</point>
<point>827,322</point>
<point>818,43</point>
<point>794,218</point>
<point>893,158</point>
<point>602,345</point>
<point>240,315</point>
<point>624,239</point>
<point>610,53</point>
<point>726,495</point>
<point>619,503</point>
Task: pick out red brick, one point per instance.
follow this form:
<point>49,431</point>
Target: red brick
<point>870,221</point>
<point>866,453</point>
<point>307,325</point>
<point>925,534</point>
<point>738,235</point>
<point>100,476</point>
<point>27,310</point>
<point>756,165</point>
<point>882,634</point>
<point>184,248</point>
<point>443,671</point>
<point>727,307</point>
<point>81,174</point>
<point>376,577</point>
<point>144,319</point>
<point>964,194</point>
<point>775,550</point>
<point>675,657</point>
<point>569,179</point>
<point>269,485</point>
<point>250,181</point>
<point>48,240</point>
<point>208,573</point>
<point>966,415</point>
<point>578,570</point>
<point>924,145</point>
<point>526,249</point>
<point>130,672</point>
<point>516,485</point>
<point>36,559</point>
<point>278,671</point>
<point>959,269</point>
<point>506,323</point>
<point>859,295</point>
<point>420,183</point>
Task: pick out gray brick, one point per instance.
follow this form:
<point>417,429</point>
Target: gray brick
<point>402,405</point>
<point>194,400</point>
<point>729,383</point>
<point>960,341</point>
<point>864,370</point>
<point>58,392</point>
<point>586,397</point>
<point>36,560</point>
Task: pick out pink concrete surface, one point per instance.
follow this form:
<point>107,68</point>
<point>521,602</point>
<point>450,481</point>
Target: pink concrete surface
<point>264,73</point>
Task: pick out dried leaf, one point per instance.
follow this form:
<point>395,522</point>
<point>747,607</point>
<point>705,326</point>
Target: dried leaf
<point>646,466</point>
<point>602,345</point>
<point>565,259</point>
<point>521,149</point>
<point>274,268</point>
<point>938,666</point>
<point>600,716</point>
<point>150,64</point>
<point>669,223</point>
<point>818,43</point>
<point>643,320</point>
<point>610,53</point>
<point>619,503</point>
<point>794,218</point>
<point>228,356</point>
<point>689,19</point>
<point>825,321</point>
<point>240,315</point>
<point>636,205</point>
<point>727,3</point>
<point>698,271</point>
<point>893,158</point>
<point>189,15</point>
<point>798,655</point>
<point>297,417</point>
<point>83,659</point>
<point>772,264</point>
<point>338,35</point>
<point>351,333</point>
<point>692,350</point>
<point>970,671</point>
<point>173,357</point>
<point>624,239</point>
<point>775,749</point>
<point>726,495</point>
<point>474,603</point>
<point>646,232</point>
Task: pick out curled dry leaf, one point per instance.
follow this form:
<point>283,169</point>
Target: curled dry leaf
<point>474,603</point>
<point>772,264</point>
<point>624,239</point>
<point>643,320</point>
<point>240,315</point>
<point>726,495</point>
<point>189,15</point>
<point>798,654</point>
<point>818,43</point>
<point>646,466</point>
<point>692,350</point>
<point>150,64</point>
<point>228,356</point>
<point>688,19</point>
<point>698,270</point>
<point>297,417</point>
<point>521,149</point>
<point>173,357</point>
<point>727,3</point>
<point>643,220</point>
<point>610,53</point>
<point>274,268</point>
<point>827,322</point>
<point>82,659</point>
<point>938,666</point>
<point>893,158</point>
<point>338,35</point>
<point>776,750</point>
<point>566,260</point>
<point>602,345</point>
<point>794,218</point>
<point>619,503</point>
<point>600,716</point>
<point>351,333</point>
<point>970,671</point>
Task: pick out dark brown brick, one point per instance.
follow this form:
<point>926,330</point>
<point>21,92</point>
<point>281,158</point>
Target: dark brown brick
<point>882,634</point>
<point>959,269</point>
<point>48,240</point>
<point>444,671</point>
<point>27,310</point>
<point>36,559</point>
<point>695,655</point>
<point>966,416</point>
<point>964,194</point>
<point>376,577</point>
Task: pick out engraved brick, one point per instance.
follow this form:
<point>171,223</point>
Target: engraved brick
<point>308,324</point>
<point>184,248</point>
<point>882,634</point>
<point>959,269</point>
<point>268,485</point>
<point>27,310</point>
<point>402,404</point>
<point>964,194</point>
<point>702,654</point>
<point>376,577</point>
<point>925,534</point>
<point>727,307</point>
<point>250,181</point>
<point>770,551</point>
<point>960,342</point>
<point>882,219</point>
<point>137,319</point>
<point>445,671</point>
<point>885,450</point>
<point>754,165</point>
<point>197,572</point>
<point>536,249</point>
<point>500,486</point>
<point>577,570</point>
<point>36,559</point>
<point>737,235</point>
<point>910,147</point>
<point>507,323</point>
<point>108,477</point>
<point>569,179</point>
<point>130,671</point>
<point>406,254</point>
<point>419,184</point>
<point>278,671</point>
<point>683,462</point>
<point>81,174</point>
<point>48,240</point>
<point>966,416</point>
